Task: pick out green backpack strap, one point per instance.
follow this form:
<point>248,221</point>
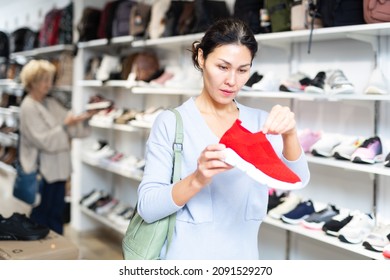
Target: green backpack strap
<point>177,156</point>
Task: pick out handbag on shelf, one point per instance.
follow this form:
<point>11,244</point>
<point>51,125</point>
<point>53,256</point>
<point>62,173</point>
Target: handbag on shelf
<point>144,241</point>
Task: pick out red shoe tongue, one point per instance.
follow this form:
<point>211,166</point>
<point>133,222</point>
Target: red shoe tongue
<point>257,150</point>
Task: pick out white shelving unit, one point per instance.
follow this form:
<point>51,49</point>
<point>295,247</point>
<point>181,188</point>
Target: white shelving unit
<point>355,48</point>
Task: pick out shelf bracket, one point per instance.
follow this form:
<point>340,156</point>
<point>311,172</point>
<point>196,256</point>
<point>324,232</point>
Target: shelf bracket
<point>284,47</point>
<point>371,39</point>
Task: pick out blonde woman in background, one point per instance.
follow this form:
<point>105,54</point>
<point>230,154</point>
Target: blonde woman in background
<point>46,128</point>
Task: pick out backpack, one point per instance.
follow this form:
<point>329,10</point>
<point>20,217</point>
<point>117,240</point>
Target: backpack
<point>341,12</point>
<point>139,18</point>
<point>4,44</point>
<point>174,21</point>
<point>304,16</point>
<point>23,39</point>
<point>66,25</point>
<point>64,70</point>
<point>280,14</point>
<point>49,32</point>
<point>89,24</point>
<point>107,19</point>
<point>157,22</point>
<point>207,12</point>
<point>3,67</point>
<point>249,12</point>
<point>121,21</point>
<point>375,11</point>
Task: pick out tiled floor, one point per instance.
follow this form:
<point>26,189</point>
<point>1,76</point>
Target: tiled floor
<point>97,245</point>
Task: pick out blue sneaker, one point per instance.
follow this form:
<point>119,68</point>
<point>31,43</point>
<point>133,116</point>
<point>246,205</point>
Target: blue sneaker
<point>299,213</point>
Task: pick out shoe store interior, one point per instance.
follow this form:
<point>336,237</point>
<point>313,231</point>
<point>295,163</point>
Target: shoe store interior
<point>129,61</point>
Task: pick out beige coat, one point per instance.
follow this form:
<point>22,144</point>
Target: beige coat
<point>42,133</point>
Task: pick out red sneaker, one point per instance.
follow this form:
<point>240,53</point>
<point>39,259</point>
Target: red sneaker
<point>253,154</point>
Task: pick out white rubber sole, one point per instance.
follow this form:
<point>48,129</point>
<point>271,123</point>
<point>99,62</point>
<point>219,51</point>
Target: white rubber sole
<point>232,158</point>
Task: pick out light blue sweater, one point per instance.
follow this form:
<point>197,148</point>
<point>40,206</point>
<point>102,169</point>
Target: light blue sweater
<point>222,221</point>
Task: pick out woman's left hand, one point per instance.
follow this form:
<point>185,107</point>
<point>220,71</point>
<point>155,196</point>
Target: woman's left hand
<point>280,121</point>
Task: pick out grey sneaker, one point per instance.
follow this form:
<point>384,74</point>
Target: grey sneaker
<point>318,219</point>
<point>339,84</point>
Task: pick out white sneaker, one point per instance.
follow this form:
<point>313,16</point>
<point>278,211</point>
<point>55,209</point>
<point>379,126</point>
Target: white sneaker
<point>357,229</point>
<point>288,204</point>
<point>108,65</point>
<point>269,82</point>
<point>377,83</point>
<point>326,144</point>
<point>378,238</point>
<point>347,147</point>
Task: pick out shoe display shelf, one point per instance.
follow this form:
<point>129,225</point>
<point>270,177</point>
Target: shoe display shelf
<point>50,51</point>
<point>102,220</point>
<point>319,235</point>
<point>119,127</point>
<point>314,97</point>
<point>377,168</point>
<point>134,175</point>
<point>286,42</point>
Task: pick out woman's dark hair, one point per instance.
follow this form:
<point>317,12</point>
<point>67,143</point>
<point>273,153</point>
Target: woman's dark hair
<point>224,32</point>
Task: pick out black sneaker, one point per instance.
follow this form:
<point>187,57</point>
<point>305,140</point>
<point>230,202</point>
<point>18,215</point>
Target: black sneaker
<point>254,78</point>
<point>19,227</point>
<point>274,200</point>
<point>333,226</point>
<point>387,160</point>
<point>317,84</point>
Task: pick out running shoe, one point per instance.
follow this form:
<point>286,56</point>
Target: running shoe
<point>274,199</point>
<point>337,83</point>
<point>297,82</point>
<point>387,160</point>
<point>334,225</point>
<point>269,82</point>
<point>318,219</point>
<point>325,146</point>
<point>370,151</point>
<point>254,78</point>
<point>253,154</point>
<point>357,229</point>
<point>307,138</point>
<point>299,213</point>
<point>19,227</point>
<point>288,203</point>
<point>317,84</point>
<point>378,238</point>
<point>377,83</point>
<point>386,251</point>
<point>347,147</point>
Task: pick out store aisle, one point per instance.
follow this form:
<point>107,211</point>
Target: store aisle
<point>96,245</point>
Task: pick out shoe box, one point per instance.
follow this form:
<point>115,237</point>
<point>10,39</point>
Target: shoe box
<point>52,247</point>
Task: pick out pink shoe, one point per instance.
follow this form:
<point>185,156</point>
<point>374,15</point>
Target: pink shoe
<point>369,152</point>
<point>386,251</point>
<point>308,138</point>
